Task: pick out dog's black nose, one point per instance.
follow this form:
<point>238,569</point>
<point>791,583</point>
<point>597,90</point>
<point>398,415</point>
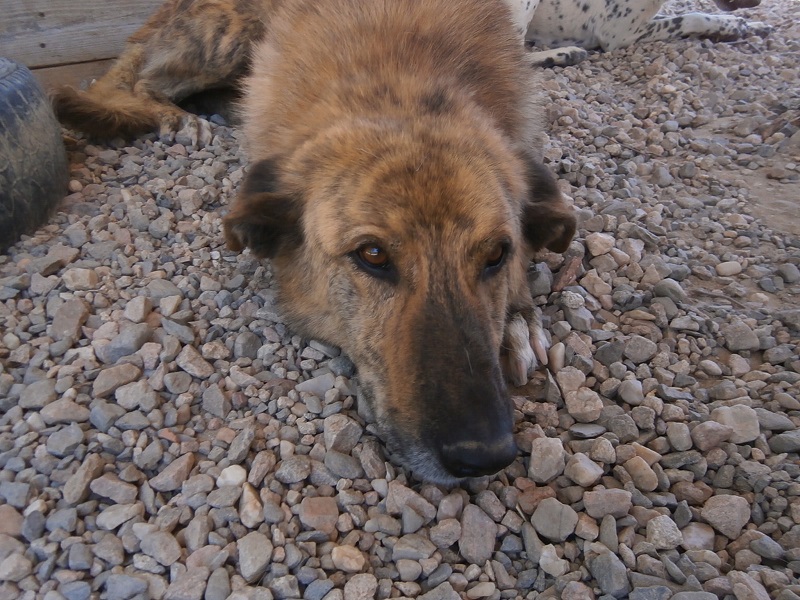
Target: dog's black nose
<point>474,459</point>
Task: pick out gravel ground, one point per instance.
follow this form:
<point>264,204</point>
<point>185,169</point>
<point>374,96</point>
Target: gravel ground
<point>164,436</point>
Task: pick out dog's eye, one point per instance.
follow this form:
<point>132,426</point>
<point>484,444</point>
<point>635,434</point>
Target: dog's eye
<point>374,256</point>
<point>495,259</point>
<point>374,260</point>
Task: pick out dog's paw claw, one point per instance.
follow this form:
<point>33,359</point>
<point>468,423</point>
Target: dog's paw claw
<point>526,346</point>
<point>194,130</point>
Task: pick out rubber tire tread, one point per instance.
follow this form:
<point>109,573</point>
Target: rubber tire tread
<point>34,171</point>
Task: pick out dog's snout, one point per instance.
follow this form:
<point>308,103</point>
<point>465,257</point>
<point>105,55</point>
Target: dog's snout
<point>469,458</point>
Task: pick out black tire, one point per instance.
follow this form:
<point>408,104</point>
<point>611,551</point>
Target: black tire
<point>33,162</point>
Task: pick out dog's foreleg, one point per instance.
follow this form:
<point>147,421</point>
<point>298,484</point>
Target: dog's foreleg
<point>720,28</point>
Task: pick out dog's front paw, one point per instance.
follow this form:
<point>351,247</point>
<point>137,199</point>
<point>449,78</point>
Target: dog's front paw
<point>195,130</point>
<point>734,28</point>
<point>559,57</point>
<point>525,346</point>
<point>757,28</point>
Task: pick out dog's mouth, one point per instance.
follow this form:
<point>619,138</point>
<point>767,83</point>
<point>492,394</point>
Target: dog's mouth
<point>732,5</point>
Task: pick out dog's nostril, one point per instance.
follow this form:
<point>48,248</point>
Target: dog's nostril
<point>475,459</point>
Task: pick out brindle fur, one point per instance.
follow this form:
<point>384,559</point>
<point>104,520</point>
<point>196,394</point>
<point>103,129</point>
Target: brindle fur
<point>186,46</point>
<point>412,126</point>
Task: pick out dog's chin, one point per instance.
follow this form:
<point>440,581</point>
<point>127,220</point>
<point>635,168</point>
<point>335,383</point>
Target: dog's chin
<point>422,464</point>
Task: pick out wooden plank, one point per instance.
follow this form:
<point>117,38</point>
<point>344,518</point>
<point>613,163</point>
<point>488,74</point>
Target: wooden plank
<point>78,75</point>
<point>44,33</point>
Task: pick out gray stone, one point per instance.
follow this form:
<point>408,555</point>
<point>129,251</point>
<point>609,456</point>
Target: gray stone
<point>727,514</point>
<point>610,574</point>
<point>103,415</point>
<point>174,474</point>
<point>137,395</point>
<point>123,587</point>
<point>413,547</point>
<point>117,514</point>
<point>785,442</point>
<point>294,469</point>
<point>341,433</point>
<point>768,548</point>
<point>65,519</point>
<point>108,380</point>
<point>193,363</point>
<point>772,421</point>
<point>669,288</point>
<point>76,490</point>
<point>630,392</point>
<point>554,520</point>
<point>190,585</point>
<point>216,402</point>
<point>478,533</point>
<point>547,459</point>
<point>38,394</point>
<point>64,441</point>
<point>162,288</point>
<point>317,385</point>
<point>129,340</point>
<point>69,319</point>
<point>639,349</point>
<point>614,502</point>
<point>342,366</point>
<point>317,590</point>
<point>789,272</point>
<point>285,587</point>
<point>76,590</point>
<point>255,551</point>
<point>663,533</point>
<point>246,345</point>
<point>739,336</point>
<point>742,419</point>
<point>161,546</point>
<point>443,591</point>
<point>361,586</point>
<point>15,567</point>
<point>15,493</point>
<point>240,446</point>
<point>218,586</point>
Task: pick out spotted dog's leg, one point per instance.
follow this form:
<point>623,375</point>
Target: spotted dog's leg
<point>558,57</point>
<point>522,13</point>
<point>525,346</point>
<point>721,28</point>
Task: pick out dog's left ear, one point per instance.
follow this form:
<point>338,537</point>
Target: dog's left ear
<point>263,218</point>
<point>547,220</point>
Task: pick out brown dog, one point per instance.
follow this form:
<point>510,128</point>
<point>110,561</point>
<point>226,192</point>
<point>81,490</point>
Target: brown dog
<point>395,187</point>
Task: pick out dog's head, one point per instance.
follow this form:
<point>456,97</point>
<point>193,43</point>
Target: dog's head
<point>409,249</point>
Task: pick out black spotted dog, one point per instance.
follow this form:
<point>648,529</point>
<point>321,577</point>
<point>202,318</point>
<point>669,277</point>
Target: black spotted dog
<point>571,27</point>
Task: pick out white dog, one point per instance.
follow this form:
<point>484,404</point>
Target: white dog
<point>571,27</point>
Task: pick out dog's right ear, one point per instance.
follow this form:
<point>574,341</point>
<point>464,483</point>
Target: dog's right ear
<point>262,218</point>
